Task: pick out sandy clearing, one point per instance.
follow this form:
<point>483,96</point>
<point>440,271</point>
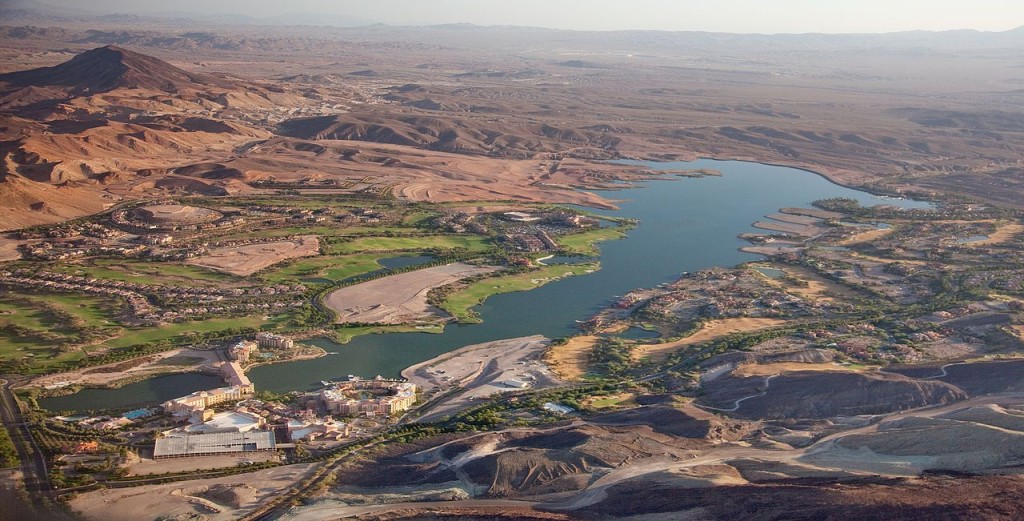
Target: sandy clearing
<point>250,258</point>
<point>477,509</point>
<point>131,504</point>
<point>796,229</point>
<point>794,219</point>
<point>712,330</point>
<point>397,299</point>
<point>771,250</point>
<point>866,236</point>
<point>817,288</point>
<point>1019,331</point>
<point>571,360</point>
<point>148,466</point>
<point>9,249</point>
<point>880,260</point>
<point>482,370</point>
<point>754,369</point>
<point>1001,235</point>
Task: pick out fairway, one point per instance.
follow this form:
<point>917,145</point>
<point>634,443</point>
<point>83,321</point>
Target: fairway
<point>334,268</point>
<point>458,304</point>
<point>431,242</point>
<point>585,243</point>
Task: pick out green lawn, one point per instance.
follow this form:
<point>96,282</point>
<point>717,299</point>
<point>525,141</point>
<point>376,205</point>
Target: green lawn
<point>344,335</point>
<point>179,331</point>
<point>324,231</point>
<point>414,218</point>
<point>30,311</point>
<point>439,242</point>
<point>585,243</point>
<point>332,267</point>
<point>458,304</point>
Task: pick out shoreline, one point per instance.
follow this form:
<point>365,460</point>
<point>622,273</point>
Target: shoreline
<point>308,353</point>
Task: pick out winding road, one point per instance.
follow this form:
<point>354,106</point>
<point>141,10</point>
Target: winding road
<point>942,371</point>
<point>736,406</point>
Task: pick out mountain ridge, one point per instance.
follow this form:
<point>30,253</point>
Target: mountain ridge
<point>110,67</point>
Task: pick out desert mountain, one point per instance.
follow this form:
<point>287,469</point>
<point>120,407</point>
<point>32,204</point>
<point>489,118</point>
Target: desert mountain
<point>107,68</point>
<point>80,135</point>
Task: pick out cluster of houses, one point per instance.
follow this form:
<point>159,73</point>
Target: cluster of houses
<point>140,306</point>
<point>203,301</point>
<point>78,248</point>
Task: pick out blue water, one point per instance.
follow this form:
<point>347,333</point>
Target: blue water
<point>686,224</point>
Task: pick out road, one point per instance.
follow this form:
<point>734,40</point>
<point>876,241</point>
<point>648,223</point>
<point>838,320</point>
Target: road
<point>736,406</point>
<point>33,461</point>
<point>942,370</point>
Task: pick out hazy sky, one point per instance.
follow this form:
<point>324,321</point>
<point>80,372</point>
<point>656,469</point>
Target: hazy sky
<point>761,16</point>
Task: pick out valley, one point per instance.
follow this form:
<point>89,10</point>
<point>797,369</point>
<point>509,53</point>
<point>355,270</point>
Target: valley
<point>510,273</point>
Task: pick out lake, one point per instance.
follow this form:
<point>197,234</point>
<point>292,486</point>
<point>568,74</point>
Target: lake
<point>686,224</point>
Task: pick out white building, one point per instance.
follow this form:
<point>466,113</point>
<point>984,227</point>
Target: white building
<point>186,445</point>
<point>272,341</point>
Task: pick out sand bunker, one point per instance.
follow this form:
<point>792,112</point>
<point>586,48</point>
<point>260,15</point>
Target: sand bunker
<point>397,299</point>
<point>246,260</point>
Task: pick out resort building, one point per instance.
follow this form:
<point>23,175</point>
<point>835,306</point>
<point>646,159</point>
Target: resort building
<point>228,421</point>
<point>235,376</point>
<point>187,444</point>
<point>369,397</point>
<point>317,429</point>
<point>201,400</point>
<point>241,351</point>
<point>272,341</point>
<point>239,388</point>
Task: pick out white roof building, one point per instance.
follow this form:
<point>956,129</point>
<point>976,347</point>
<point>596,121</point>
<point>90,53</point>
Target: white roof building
<point>186,445</point>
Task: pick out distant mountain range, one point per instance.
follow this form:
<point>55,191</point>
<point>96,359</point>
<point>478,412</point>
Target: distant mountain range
<point>21,11</point>
<point>108,68</point>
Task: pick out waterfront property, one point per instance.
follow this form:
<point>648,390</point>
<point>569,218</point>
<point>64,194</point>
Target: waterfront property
<point>241,351</point>
<point>200,400</point>
<point>227,421</point>
<point>270,340</point>
<point>379,396</point>
<point>214,444</point>
<point>239,388</point>
<point>317,429</point>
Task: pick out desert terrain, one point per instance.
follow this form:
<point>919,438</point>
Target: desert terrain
<point>248,259</point>
<point>162,188</point>
<point>397,299</point>
<point>435,123</point>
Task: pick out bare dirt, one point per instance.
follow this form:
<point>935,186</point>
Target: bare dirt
<point>188,498</point>
<point>9,249</point>
<point>939,498</point>
<point>451,115</point>
<point>397,299</point>
<point>571,359</point>
<point>480,371</point>
<point>784,367</point>
<point>1002,234</point>
<point>826,394</point>
<point>251,258</point>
